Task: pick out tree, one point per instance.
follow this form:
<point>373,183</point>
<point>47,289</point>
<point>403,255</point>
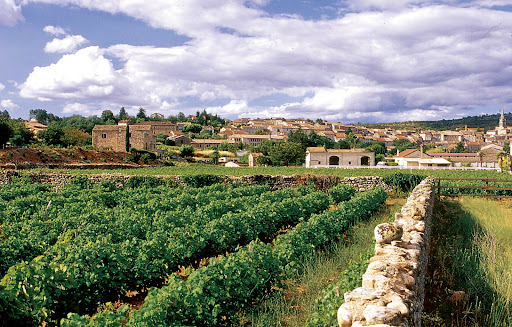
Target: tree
<point>20,134</point>
<point>161,137</point>
<point>52,135</point>
<point>73,136</point>
<point>299,136</point>
<point>403,144</point>
<point>123,115</point>
<point>316,140</point>
<point>181,117</point>
<point>260,132</point>
<point>5,114</point>
<point>5,131</point>
<point>142,113</point>
<point>40,115</point>
<point>506,148</point>
<point>319,121</point>
<point>108,117</point>
<point>351,139</point>
<point>377,147</point>
<point>186,151</point>
<point>214,156</point>
<point>287,153</point>
<point>459,148</point>
<point>192,128</point>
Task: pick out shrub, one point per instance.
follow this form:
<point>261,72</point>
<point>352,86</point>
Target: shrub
<point>403,182</point>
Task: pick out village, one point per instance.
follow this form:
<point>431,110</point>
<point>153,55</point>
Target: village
<point>462,148</point>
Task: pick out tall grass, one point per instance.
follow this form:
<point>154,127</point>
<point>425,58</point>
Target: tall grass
<point>470,282</point>
<point>292,304</point>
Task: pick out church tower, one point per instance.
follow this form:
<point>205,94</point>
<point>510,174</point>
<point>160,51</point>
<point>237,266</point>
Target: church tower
<point>502,124</point>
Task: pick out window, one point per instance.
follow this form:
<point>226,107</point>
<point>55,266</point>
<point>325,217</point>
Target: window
<point>103,136</point>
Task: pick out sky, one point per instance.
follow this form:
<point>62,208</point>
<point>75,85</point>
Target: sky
<point>349,61</point>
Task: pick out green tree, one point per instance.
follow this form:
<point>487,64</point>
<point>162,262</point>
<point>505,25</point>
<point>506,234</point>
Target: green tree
<point>403,144</point>
<point>506,148</point>
<point>72,136</point>
<point>20,135</point>
<point>316,140</point>
<point>123,115</point>
<point>186,151</point>
<point>52,135</point>
<point>108,117</point>
<point>40,115</point>
<point>192,128</point>
<point>377,147</point>
<point>299,136</point>
<point>214,156</point>
<point>5,114</point>
<point>319,121</point>
<point>459,148</point>
<point>161,137</point>
<point>260,132</point>
<point>141,114</point>
<point>286,153</point>
<point>351,139</point>
<point>5,131</point>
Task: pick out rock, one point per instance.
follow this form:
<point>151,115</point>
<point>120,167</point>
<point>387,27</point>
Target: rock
<point>385,233</point>
<point>344,317</point>
<point>381,315</point>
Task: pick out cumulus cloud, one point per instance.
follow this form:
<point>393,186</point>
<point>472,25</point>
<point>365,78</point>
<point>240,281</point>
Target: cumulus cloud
<point>54,30</point>
<point>382,59</point>
<point>10,13</point>
<point>77,108</point>
<point>8,104</point>
<point>2,86</point>
<point>86,74</point>
<point>65,45</point>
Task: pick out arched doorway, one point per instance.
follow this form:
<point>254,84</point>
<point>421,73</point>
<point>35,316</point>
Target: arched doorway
<point>365,161</point>
<point>334,161</point>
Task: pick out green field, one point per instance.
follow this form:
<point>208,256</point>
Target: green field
<point>201,169</point>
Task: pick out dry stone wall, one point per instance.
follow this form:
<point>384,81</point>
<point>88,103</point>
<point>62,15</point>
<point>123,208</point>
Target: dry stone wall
<point>393,287</point>
<point>58,179</point>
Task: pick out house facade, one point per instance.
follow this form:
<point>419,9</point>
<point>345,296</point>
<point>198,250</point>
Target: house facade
<point>319,156</point>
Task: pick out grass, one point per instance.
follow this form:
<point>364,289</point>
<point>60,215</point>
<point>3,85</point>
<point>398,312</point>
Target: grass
<point>292,305</point>
<point>198,169</point>
<point>469,279</point>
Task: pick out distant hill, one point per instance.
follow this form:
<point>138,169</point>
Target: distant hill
<point>485,122</point>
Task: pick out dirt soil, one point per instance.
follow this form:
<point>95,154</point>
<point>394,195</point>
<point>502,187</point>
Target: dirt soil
<point>62,158</point>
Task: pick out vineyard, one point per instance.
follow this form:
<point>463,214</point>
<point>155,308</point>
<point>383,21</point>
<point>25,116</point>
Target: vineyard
<point>204,253</point>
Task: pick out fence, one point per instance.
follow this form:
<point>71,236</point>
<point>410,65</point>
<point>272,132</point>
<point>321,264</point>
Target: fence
<point>485,187</point>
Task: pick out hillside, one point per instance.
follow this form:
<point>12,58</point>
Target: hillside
<point>64,158</point>
<point>485,122</point>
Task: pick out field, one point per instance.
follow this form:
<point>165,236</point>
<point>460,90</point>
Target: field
<point>469,282</point>
<point>159,254</point>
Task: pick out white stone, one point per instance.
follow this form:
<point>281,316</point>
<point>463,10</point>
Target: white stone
<point>385,233</point>
<point>344,317</point>
<point>381,315</point>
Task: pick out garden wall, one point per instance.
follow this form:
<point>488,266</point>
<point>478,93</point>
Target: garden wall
<point>392,291</point>
<point>58,179</point>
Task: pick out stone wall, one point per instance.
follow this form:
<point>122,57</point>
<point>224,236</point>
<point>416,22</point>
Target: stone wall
<point>58,179</point>
<point>393,287</point>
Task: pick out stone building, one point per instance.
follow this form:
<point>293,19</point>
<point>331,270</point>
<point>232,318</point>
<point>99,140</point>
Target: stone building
<point>120,137</point>
<point>319,156</point>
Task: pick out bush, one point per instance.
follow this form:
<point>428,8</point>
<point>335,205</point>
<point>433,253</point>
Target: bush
<point>186,151</point>
<point>201,180</point>
<point>340,193</point>
<point>403,182</point>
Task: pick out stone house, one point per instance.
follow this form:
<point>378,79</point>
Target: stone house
<point>415,158</point>
<point>319,156</point>
<point>120,137</point>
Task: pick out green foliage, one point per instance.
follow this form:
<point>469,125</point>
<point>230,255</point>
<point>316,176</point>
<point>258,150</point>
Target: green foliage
<point>402,181</point>
<point>459,148</point>
<point>5,131</point>
<point>402,144</point>
<point>52,135</point>
<point>201,180</point>
<point>284,154</point>
<point>340,193</point>
<point>326,306</point>
<point>143,155</point>
<point>186,151</point>
<point>192,128</point>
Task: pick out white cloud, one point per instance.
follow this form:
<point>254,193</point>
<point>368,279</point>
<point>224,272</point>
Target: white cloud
<point>66,45</point>
<point>86,74</point>
<point>8,104</point>
<point>2,86</point>
<point>411,56</point>
<point>77,108</point>
<point>54,30</point>
<point>10,13</point>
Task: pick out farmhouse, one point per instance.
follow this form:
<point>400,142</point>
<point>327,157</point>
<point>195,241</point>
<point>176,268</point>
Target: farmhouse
<point>415,158</point>
<point>319,156</point>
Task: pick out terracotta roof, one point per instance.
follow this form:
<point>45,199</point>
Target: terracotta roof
<point>316,149</point>
<point>443,154</point>
<point>405,153</point>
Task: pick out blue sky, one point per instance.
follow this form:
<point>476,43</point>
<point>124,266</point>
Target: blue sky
<point>340,60</point>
